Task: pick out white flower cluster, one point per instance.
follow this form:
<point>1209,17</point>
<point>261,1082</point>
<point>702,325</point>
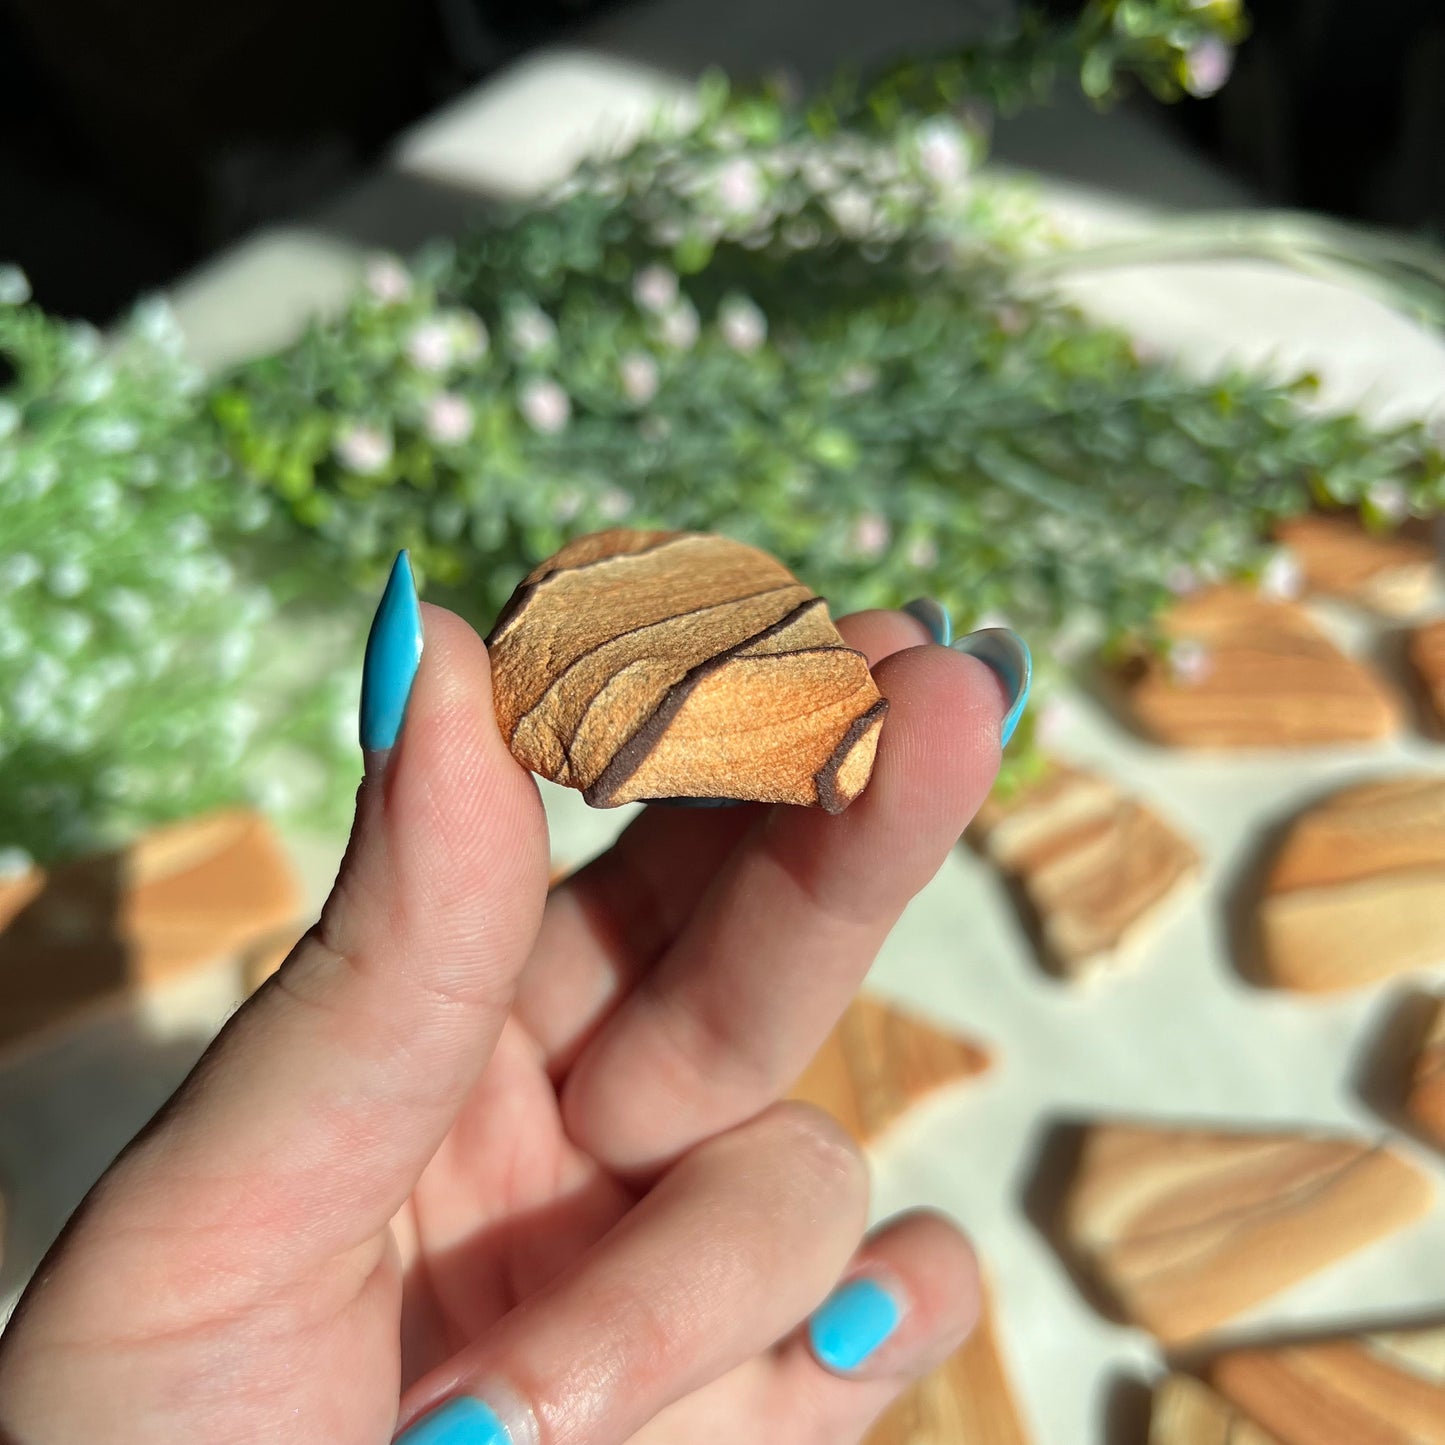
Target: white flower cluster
<point>123,629</point>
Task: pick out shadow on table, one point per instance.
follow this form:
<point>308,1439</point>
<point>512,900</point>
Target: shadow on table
<point>1055,1164</point>
<point>394,211</point>
<point>1381,1079</point>
<point>80,1070</point>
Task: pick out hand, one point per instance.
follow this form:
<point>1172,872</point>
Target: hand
<point>475,1143</point>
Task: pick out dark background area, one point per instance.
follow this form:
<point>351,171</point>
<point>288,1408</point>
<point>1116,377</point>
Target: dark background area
<point>139,136</point>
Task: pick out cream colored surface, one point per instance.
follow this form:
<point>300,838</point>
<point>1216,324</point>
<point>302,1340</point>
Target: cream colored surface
<point>1181,1036</point>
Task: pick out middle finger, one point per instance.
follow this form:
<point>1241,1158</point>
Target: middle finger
<point>785,931</point>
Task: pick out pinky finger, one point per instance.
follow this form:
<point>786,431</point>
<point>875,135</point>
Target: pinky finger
<point>908,1300</point>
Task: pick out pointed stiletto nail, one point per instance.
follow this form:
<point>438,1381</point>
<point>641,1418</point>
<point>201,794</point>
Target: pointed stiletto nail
<point>851,1324</point>
<point>1008,654</point>
<point>934,616</point>
<point>393,653</point>
<point>463,1421</point>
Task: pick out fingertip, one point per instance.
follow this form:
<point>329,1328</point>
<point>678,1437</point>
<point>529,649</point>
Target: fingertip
<point>910,1298</point>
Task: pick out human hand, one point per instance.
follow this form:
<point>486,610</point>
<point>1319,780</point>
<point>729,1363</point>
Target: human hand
<point>518,1155</point>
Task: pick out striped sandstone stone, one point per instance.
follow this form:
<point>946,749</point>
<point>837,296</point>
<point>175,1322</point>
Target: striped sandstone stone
<point>1356,891</point>
<point>1182,1230</point>
<point>639,665</point>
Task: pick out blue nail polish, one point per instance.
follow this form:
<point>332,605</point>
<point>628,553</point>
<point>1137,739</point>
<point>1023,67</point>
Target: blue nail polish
<point>934,616</point>
<point>393,652</point>
<point>463,1421</point>
<point>851,1324</point>
<point>1008,654</point>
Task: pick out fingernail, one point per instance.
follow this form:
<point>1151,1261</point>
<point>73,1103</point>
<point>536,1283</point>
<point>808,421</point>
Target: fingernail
<point>1008,654</point>
<point>393,653</point>
<point>852,1323</point>
<point>463,1421</point>
<point>934,616</point>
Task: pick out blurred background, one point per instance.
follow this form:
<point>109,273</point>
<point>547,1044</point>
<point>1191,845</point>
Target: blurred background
<point>1120,322</point>
<point>135,140</point>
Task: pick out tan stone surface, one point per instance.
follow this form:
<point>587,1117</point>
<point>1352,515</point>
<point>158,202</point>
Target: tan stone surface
<point>1267,677</point>
<point>1389,572</point>
<point>1182,1230</point>
<point>1377,1389</point>
<point>1098,869</point>
<point>636,665</point>
<point>879,1061</point>
<point>1356,891</point>
<point>1187,1412</point>
<point>180,897</point>
<point>1426,651</point>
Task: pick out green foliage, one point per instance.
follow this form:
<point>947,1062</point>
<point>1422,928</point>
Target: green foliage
<point>811,326</point>
<point>128,633</point>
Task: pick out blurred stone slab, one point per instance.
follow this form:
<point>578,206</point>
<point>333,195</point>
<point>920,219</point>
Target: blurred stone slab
<point>1425,1101</point>
<point>1426,651</point>
<point>881,1060</point>
<point>1390,573</point>
<point>1182,1230</point>
<point>1097,868</point>
<point>1187,1412</point>
<point>1356,891</point>
<point>1374,1389</point>
<point>968,1400</point>
<point>178,898</point>
<point>1247,672</point>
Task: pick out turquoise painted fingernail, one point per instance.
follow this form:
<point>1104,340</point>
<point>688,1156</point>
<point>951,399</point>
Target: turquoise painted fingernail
<point>463,1421</point>
<point>852,1323</point>
<point>393,653</point>
<point>1008,654</point>
<point>934,616</point>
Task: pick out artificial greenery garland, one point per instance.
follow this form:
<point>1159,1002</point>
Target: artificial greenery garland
<point>804,325</point>
<point>131,636</point>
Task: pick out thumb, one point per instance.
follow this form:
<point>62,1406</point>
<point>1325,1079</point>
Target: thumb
<point>321,1102</point>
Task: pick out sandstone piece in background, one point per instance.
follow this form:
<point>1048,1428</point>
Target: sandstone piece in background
<point>968,1400</point>
<point>878,1062</point>
<point>1426,651</point>
<point>1184,1229</point>
<point>1247,672</point>
<point>1097,868</point>
<point>1375,1389</point>
<point>1187,1412</point>
<point>1425,1101</point>
<point>1389,572</point>
<point>648,665</point>
<point>178,898</point>
<point>1356,891</point>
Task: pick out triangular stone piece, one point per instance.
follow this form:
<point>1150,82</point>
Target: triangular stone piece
<point>179,897</point>
<point>881,1060</point>
<point>1247,672</point>
<point>968,1400</point>
<point>1097,868</point>
<point>1425,1102</point>
<point>1375,1389</point>
<point>1188,1412</point>
<point>1426,651</point>
<point>1181,1230</point>
<point>1388,572</point>
<point>1356,892</point>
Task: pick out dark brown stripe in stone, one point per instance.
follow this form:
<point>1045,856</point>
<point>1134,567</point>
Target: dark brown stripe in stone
<point>631,755</point>
<point>659,622</point>
<point>827,778</point>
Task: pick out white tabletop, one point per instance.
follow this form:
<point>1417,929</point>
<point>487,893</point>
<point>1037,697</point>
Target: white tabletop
<point>1179,1037</point>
